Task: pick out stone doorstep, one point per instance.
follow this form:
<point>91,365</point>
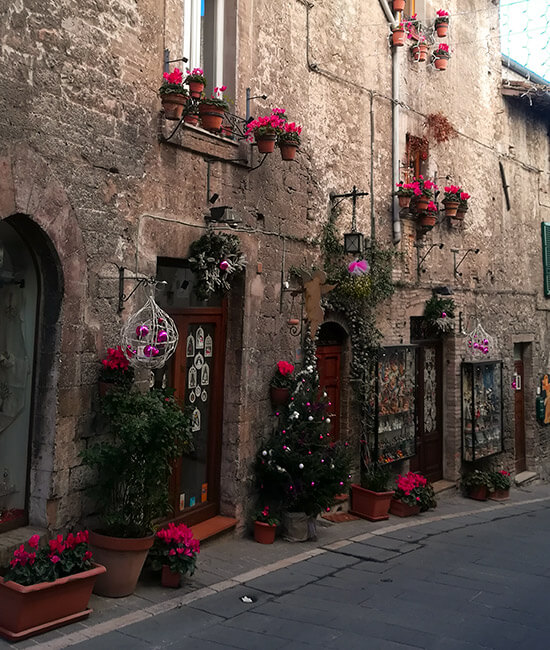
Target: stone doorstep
<point>524,478</point>
<point>443,486</point>
<point>12,539</point>
<point>213,527</point>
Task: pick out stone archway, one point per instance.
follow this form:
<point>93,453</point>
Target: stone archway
<point>35,204</point>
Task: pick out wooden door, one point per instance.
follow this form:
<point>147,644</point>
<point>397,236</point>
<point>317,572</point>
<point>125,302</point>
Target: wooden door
<point>328,365</point>
<point>519,417</point>
<point>429,404</point>
<point>197,377</point>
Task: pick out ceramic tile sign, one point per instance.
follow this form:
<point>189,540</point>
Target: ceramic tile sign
<point>205,375</point>
<point>182,501</point>
<point>204,396</point>
<point>190,346</point>
<point>208,346</point>
<point>196,420</point>
<point>192,378</point>
<point>192,502</point>
<point>199,361</point>
<point>204,492</point>
<point>199,339</point>
<point>192,397</point>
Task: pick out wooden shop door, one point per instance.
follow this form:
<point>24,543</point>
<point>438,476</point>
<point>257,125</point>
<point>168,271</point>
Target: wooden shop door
<point>197,377</point>
<point>519,417</point>
<point>429,406</point>
<point>328,365</point>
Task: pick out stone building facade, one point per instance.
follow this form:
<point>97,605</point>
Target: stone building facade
<point>89,183</point>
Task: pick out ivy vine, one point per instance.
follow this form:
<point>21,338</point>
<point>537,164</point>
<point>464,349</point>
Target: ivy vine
<point>356,299</point>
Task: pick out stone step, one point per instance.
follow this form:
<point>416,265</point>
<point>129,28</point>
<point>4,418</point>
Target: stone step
<point>524,478</point>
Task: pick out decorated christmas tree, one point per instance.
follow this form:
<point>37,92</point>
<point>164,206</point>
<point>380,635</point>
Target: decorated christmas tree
<point>299,468</point>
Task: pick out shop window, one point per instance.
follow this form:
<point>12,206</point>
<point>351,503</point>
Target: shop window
<point>209,33</point>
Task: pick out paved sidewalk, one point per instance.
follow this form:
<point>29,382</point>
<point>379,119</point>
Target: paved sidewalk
<point>227,563</point>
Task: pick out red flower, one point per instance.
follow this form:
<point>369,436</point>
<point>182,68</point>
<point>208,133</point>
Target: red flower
<point>285,368</point>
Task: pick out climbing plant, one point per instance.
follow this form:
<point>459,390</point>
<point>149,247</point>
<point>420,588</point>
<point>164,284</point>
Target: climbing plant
<point>356,297</point>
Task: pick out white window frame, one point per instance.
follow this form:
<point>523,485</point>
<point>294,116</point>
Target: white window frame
<point>192,37</point>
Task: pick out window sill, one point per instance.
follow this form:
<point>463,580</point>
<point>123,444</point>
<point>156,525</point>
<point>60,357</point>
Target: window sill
<point>197,140</point>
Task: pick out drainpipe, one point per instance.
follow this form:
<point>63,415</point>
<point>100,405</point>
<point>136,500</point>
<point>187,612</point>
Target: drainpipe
<point>396,223</point>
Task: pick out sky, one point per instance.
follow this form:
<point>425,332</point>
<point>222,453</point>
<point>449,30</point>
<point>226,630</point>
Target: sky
<point>525,33</point>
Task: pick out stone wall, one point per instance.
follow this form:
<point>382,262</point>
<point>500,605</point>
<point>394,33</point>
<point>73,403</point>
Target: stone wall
<point>82,155</point>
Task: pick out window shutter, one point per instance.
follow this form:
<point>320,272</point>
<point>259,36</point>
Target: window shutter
<point>545,231</point>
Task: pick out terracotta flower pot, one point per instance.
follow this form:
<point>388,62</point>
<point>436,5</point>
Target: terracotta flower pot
<point>427,220</point>
<point>401,509</point>
<point>421,203</point>
<point>460,214</point>
<point>420,52</point>
<point>441,29</point>
<point>500,495</point>
<point>451,208</point>
<point>398,5</point>
<point>170,578</point>
<point>191,119</point>
<point>370,505</point>
<point>279,396</point>
<point>173,105</point>
<point>123,558</point>
<point>195,88</point>
<point>404,201</point>
<point>266,143</point>
<point>288,150</point>
<point>264,533</point>
<point>398,37</point>
<point>211,117</point>
<point>26,611</point>
<point>440,63</point>
<point>479,493</point>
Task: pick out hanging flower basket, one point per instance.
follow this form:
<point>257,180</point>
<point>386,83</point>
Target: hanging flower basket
<point>173,105</point>
<point>150,336</point>
<point>404,201</point>
<point>398,5</point>
<point>442,29</point>
<point>422,203</point>
<point>451,208</point>
<point>420,52</point>
<point>266,143</point>
<point>441,23</point>
<point>460,214</point>
<point>196,82</point>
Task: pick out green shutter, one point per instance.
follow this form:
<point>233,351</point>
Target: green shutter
<point>545,231</point>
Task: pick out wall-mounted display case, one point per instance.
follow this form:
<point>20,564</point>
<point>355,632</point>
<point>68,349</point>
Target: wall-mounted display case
<point>394,437</point>
<point>481,409</point>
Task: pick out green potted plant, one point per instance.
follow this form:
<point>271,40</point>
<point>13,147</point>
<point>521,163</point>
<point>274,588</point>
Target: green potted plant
<point>441,56</point>
<point>500,485</point>
<point>280,384</point>
<point>116,371</point>
<point>419,49</point>
<point>398,34</point>
<point>289,140</point>
<point>477,484</point>
<point>265,526</point>
<point>266,129</point>
<point>439,315</point>
<point>451,200</point>
<point>146,432</point>
<point>174,552</point>
<point>441,23</point>
<point>371,500</point>
<point>196,82</point>
<point>413,494</point>
<point>173,95</point>
<point>212,109</point>
<point>427,218</point>
<point>46,586</point>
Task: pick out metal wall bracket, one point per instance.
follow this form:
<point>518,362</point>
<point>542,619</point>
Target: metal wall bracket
<point>123,297</point>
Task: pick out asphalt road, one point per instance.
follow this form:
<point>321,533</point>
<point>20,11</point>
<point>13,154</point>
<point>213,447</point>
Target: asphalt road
<point>479,581</point>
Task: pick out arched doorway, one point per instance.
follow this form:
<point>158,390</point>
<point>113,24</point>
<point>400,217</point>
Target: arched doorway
<point>330,344</point>
<point>19,292</point>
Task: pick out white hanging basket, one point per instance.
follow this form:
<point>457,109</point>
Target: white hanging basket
<point>479,344</point>
<point>149,337</point>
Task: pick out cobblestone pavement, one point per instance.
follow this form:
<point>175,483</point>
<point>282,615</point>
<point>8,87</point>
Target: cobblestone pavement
<point>469,575</point>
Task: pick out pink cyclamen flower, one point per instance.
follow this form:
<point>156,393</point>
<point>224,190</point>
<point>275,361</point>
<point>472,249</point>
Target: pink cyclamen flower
<point>33,541</point>
<point>55,559</point>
